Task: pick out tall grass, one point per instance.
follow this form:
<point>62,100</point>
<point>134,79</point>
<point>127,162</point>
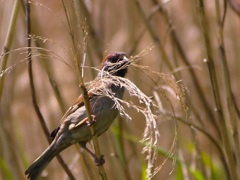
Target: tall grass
<point>190,77</point>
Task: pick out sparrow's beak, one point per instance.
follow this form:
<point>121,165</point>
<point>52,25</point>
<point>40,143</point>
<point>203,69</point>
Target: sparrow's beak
<point>126,61</point>
<point>125,58</point>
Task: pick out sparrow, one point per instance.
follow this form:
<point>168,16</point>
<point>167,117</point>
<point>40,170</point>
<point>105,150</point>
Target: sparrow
<point>74,126</point>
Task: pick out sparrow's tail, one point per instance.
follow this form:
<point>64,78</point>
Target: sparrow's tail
<point>41,162</point>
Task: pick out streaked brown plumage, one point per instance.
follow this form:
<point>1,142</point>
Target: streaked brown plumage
<point>74,127</point>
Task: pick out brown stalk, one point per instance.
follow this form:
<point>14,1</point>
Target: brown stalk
<point>232,109</point>
<point>231,172</point>
<point>33,91</point>
<point>186,61</point>
<point>80,74</point>
<point>7,44</point>
<point>153,35</point>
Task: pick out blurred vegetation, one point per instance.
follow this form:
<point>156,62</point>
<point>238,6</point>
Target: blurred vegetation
<point>196,41</point>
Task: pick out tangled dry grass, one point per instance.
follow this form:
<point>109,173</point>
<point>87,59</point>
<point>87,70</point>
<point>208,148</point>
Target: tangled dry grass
<point>181,95</point>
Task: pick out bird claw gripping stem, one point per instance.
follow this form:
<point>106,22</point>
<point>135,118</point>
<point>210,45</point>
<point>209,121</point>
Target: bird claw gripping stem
<point>92,121</point>
<point>100,161</point>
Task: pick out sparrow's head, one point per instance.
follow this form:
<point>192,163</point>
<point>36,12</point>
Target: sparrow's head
<point>116,64</point>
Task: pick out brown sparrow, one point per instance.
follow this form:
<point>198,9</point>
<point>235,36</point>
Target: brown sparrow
<point>74,127</point>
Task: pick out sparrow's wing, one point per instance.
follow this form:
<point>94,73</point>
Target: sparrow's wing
<point>79,103</point>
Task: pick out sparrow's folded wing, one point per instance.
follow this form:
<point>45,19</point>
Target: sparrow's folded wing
<point>79,103</point>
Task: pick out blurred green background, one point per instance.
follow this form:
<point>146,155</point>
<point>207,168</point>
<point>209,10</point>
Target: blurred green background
<point>196,41</point>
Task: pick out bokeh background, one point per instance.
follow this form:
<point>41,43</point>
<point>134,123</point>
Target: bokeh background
<point>197,42</point>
